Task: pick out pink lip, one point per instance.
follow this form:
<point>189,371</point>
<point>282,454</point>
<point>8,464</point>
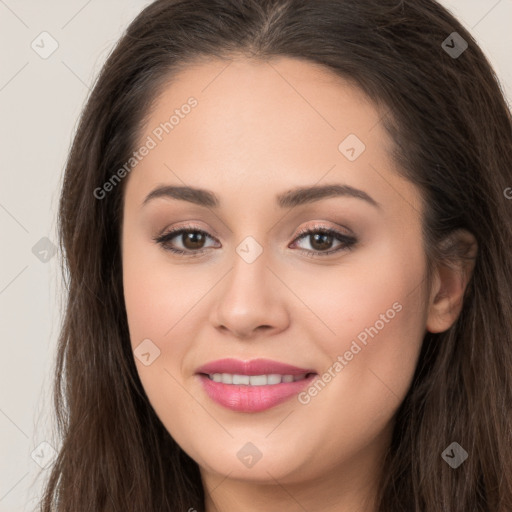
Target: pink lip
<point>253,367</point>
<point>244,398</point>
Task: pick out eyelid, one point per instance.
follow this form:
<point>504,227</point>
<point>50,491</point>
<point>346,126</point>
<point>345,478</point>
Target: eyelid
<point>175,231</point>
<point>317,226</point>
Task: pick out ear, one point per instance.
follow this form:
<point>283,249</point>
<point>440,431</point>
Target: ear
<point>449,284</point>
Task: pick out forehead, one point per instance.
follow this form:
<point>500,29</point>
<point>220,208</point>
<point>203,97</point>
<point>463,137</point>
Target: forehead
<point>279,103</point>
<point>256,125</point>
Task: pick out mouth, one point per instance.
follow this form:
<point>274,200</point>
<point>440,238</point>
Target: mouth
<point>252,386</point>
<point>271,379</point>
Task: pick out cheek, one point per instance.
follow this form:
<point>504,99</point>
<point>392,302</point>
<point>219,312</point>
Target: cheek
<point>144,295</point>
<point>376,316</point>
<point>156,308</point>
<point>163,301</point>
<point>156,295</point>
<point>375,293</point>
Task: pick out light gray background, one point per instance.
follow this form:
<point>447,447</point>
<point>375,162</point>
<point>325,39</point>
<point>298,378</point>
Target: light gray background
<point>40,101</point>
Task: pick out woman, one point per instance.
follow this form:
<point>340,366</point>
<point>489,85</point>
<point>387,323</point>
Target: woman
<point>287,236</point>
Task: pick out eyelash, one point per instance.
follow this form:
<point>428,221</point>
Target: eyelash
<point>348,242</point>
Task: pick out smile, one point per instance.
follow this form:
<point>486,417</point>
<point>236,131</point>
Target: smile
<point>238,393</point>
<point>255,380</point>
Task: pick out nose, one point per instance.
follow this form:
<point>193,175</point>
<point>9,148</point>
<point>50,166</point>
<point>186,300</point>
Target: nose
<point>250,301</point>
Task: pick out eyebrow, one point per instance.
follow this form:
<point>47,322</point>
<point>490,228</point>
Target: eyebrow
<point>295,197</point>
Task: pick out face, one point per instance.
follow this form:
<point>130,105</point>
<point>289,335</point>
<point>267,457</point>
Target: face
<point>330,284</point>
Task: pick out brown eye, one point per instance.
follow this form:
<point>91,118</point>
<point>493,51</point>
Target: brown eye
<point>321,240</point>
<point>192,240</point>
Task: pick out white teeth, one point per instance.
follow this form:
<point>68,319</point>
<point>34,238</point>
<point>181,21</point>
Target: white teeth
<point>241,379</point>
<point>258,380</point>
<point>273,378</point>
<point>254,380</point>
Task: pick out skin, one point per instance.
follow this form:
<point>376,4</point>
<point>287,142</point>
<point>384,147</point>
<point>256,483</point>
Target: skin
<point>260,129</point>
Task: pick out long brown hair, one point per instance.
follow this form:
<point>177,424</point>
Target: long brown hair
<point>453,138</point>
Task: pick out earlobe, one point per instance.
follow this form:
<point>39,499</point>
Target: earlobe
<point>450,283</point>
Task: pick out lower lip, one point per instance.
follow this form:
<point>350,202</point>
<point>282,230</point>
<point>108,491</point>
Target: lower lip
<point>252,398</point>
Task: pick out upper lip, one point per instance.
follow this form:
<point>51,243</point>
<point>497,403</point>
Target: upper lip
<point>252,367</point>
